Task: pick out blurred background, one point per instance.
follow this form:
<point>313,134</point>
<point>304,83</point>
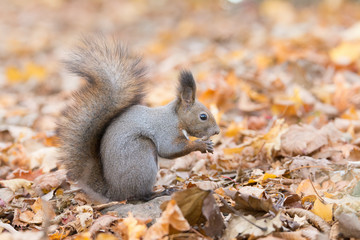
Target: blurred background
<point>243,53</point>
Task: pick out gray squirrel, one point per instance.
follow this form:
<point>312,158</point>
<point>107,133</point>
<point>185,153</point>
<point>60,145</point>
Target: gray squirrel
<point>109,142</point>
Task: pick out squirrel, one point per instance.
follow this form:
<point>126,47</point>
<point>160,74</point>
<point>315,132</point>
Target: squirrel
<point>109,142</point>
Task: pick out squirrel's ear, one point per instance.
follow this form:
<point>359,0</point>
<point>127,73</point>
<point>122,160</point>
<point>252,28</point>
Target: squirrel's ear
<point>187,88</point>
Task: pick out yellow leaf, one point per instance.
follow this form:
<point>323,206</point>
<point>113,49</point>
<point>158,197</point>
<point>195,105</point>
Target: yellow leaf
<point>59,235</point>
<point>287,105</point>
<point>346,53</point>
<point>263,61</point>
<point>269,175</point>
<point>83,236</point>
<point>106,236</point>
<point>34,71</point>
<point>328,195</point>
<point>233,129</point>
<point>325,211</point>
<point>252,181</point>
<point>253,95</point>
<point>229,151</point>
<point>308,198</point>
<point>14,75</point>
<point>351,114</point>
<point>135,229</point>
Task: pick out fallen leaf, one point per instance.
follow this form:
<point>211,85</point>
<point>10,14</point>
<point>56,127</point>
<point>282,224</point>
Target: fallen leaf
<point>190,201</point>
<point>325,211</point>
<point>302,166</point>
<point>214,224</point>
<point>105,236</point>
<point>238,226</point>
<point>171,216</point>
<point>49,181</point>
<point>84,218</point>
<point>15,184</point>
<point>302,140</point>
<point>101,223</point>
<point>345,53</point>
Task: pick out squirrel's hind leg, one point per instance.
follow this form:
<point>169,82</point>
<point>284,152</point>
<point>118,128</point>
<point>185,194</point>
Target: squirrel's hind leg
<point>132,171</point>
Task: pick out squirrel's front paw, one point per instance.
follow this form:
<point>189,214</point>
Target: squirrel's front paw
<point>205,146</point>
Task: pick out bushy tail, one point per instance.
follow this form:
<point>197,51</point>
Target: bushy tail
<point>115,81</point>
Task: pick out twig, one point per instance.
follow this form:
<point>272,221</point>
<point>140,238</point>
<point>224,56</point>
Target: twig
<point>316,192</point>
<point>229,178</point>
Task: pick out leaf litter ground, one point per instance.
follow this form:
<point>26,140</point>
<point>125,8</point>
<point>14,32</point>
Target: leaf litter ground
<point>281,77</point>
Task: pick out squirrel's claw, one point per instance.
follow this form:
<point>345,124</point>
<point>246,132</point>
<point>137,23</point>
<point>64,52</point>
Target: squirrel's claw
<point>210,146</point>
<point>206,146</point>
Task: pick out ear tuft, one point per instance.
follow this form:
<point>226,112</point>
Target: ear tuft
<point>187,88</point>
<point>187,80</point>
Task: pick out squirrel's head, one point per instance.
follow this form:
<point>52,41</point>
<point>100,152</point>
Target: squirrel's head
<point>194,117</point>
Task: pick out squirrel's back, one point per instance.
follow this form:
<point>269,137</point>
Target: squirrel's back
<point>115,82</point>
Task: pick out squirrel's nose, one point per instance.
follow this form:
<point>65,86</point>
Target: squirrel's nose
<point>217,131</point>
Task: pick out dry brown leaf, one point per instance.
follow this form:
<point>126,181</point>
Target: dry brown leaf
<point>6,195</point>
<point>171,216</point>
<point>303,167</point>
<point>214,225</point>
<point>102,222</point>
<point>207,185</point>
<point>16,184</point>
<point>252,203</point>
<point>30,217</point>
<point>238,226</point>
<point>190,202</point>
<point>302,140</point>
<point>46,182</point>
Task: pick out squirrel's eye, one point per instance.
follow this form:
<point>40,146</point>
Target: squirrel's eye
<point>203,116</point>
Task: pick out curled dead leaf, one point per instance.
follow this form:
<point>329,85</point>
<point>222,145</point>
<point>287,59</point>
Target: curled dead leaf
<point>200,209</point>
<point>171,216</point>
<point>317,221</point>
